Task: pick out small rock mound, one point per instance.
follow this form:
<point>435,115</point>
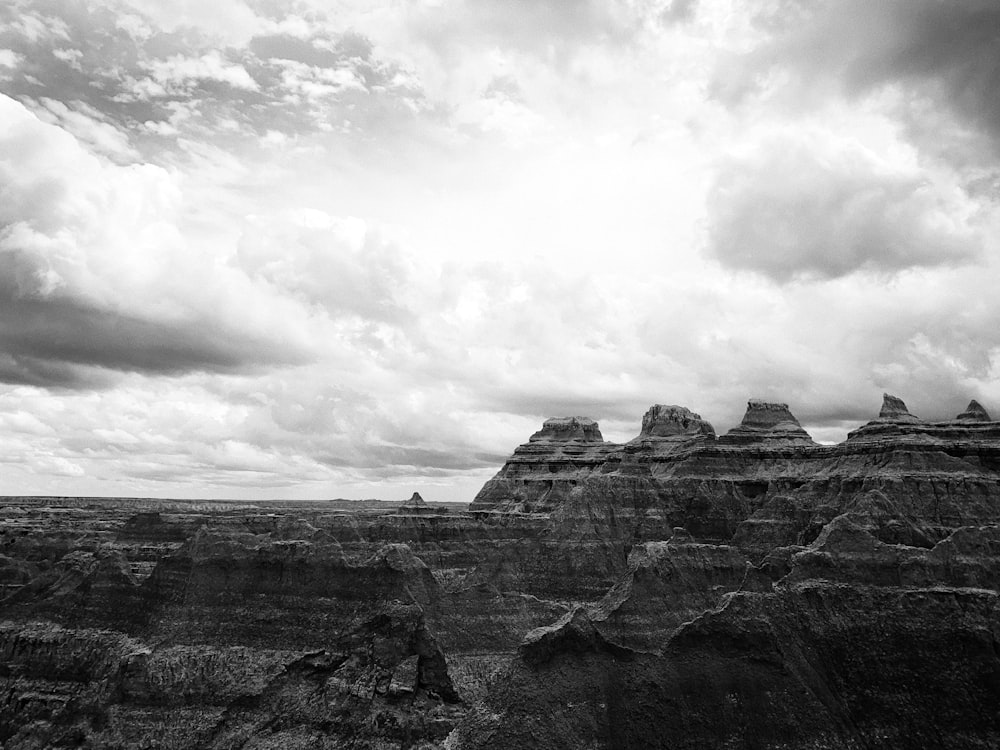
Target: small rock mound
<point>565,429</point>
<point>668,421</point>
<point>415,502</point>
<point>415,505</point>
<point>767,420</point>
<point>974,412</point>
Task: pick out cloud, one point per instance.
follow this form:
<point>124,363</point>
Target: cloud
<point>10,59</point>
<point>501,110</point>
<point>95,271</point>
<point>181,72</point>
<point>930,52</point>
<point>161,72</point>
<point>553,28</point>
<point>88,126</point>
<point>801,204</point>
<point>232,22</point>
<point>43,338</point>
<point>332,261</point>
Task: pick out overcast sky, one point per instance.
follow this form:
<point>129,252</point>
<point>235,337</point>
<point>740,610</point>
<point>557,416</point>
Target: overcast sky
<point>252,248</point>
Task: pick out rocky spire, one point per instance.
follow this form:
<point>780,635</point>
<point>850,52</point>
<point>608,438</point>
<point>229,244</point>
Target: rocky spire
<point>974,412</point>
<point>893,409</point>
<point>891,419</point>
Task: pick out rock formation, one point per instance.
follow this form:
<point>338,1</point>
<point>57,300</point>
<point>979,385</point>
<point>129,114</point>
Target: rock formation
<point>415,505</point>
<point>767,421</point>
<point>672,421</point>
<point>565,429</point>
<point>753,589</point>
<point>974,412</point>
<point>543,471</point>
<point>895,410</point>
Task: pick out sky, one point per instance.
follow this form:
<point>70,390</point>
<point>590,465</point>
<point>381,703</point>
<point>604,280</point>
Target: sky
<point>261,249</point>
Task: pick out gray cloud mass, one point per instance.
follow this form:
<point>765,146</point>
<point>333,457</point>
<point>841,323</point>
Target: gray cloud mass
<point>943,53</point>
<point>799,208</point>
<point>57,341</point>
<point>308,250</point>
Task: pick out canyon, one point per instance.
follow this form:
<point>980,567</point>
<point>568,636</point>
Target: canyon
<point>685,589</point>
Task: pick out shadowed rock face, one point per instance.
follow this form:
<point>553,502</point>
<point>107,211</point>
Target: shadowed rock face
<point>860,644</point>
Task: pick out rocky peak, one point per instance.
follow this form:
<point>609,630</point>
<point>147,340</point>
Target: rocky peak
<point>895,419</point>
<point>415,499</point>
<point>767,420</point>
<point>667,421</point>
<point>767,414</point>
<point>974,412</point>
<point>564,429</point>
<point>893,408</point>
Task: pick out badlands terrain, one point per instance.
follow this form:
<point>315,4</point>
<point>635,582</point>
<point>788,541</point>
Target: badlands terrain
<point>682,590</point>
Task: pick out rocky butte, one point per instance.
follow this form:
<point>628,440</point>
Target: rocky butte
<point>752,589</point>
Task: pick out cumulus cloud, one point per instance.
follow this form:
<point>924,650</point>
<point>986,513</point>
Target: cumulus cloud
<point>810,204</point>
<point>95,269</point>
